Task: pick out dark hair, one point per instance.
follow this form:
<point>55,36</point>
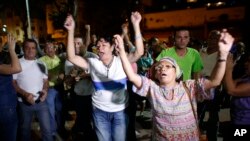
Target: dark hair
<point>107,38</point>
<point>29,41</point>
<point>183,28</point>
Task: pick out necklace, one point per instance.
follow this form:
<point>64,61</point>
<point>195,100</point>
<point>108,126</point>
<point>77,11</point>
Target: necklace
<point>108,66</point>
<point>167,93</point>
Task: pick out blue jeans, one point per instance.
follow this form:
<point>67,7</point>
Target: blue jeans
<point>26,116</point>
<point>110,126</point>
<point>54,102</point>
<point>8,124</point>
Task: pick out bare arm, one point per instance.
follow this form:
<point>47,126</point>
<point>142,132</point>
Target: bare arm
<point>71,56</point>
<point>225,43</point>
<point>125,35</point>
<point>45,89</point>
<point>139,50</point>
<point>234,89</point>
<point>15,66</point>
<point>132,76</point>
<point>87,36</point>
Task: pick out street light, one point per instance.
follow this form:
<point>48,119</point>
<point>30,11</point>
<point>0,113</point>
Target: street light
<point>4,29</point>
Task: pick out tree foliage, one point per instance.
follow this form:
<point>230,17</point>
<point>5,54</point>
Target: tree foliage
<point>60,11</point>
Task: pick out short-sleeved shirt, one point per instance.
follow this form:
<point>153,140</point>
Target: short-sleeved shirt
<point>144,62</point>
<point>110,85</point>
<point>172,113</point>
<point>55,66</point>
<point>209,61</point>
<point>240,108</point>
<point>31,78</point>
<point>190,63</point>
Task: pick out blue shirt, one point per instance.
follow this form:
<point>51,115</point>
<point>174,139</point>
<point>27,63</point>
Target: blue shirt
<point>8,97</point>
<point>240,108</point>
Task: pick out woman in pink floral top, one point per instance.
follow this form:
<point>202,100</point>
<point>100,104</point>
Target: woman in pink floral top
<point>173,116</point>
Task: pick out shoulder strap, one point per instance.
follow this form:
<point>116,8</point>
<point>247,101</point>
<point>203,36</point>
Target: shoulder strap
<point>42,66</point>
<point>190,100</point>
<point>196,118</point>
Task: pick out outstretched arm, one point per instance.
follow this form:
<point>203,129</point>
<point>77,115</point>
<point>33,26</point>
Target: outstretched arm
<point>234,89</point>
<point>15,66</point>
<point>71,56</point>
<point>87,36</point>
<point>132,76</point>
<point>139,50</point>
<point>125,35</point>
<point>225,43</point>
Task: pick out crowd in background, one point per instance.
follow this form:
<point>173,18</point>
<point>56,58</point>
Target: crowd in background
<point>88,75</point>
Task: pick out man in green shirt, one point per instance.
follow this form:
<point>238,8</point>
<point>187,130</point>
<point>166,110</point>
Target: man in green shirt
<point>187,58</point>
<point>55,66</point>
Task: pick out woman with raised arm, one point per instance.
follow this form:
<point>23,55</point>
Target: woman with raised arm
<point>239,89</point>
<point>8,97</point>
<point>110,97</point>
<point>174,102</point>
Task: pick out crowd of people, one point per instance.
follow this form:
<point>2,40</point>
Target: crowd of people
<point>108,76</point>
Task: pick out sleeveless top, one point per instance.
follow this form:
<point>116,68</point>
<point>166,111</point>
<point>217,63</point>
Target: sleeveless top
<point>240,108</point>
<point>8,97</point>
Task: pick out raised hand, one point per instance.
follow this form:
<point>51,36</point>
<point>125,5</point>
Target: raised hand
<point>87,26</point>
<point>119,44</point>
<point>69,23</point>
<point>226,41</point>
<point>136,17</point>
<point>125,28</point>
<point>11,42</point>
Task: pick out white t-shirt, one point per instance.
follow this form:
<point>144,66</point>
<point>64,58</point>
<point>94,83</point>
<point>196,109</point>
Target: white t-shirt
<point>31,78</point>
<point>110,85</point>
<point>209,61</point>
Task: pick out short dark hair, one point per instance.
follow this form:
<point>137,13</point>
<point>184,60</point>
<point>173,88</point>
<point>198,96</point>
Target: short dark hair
<point>182,28</point>
<point>107,38</point>
<point>29,41</point>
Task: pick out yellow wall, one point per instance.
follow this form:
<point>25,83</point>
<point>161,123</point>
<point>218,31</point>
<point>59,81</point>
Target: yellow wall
<point>191,17</point>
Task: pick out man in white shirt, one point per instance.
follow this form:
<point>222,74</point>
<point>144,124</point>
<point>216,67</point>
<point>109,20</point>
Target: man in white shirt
<point>31,85</point>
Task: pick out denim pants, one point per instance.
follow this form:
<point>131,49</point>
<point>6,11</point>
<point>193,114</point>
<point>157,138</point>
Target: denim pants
<point>8,123</point>
<point>54,102</point>
<point>110,126</point>
<point>26,117</point>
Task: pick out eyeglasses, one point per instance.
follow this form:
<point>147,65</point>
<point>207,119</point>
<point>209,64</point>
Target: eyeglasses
<point>159,67</point>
